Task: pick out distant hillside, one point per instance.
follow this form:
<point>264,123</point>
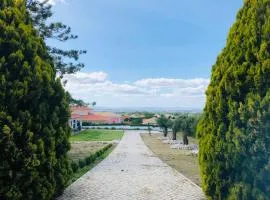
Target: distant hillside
<point>148,109</point>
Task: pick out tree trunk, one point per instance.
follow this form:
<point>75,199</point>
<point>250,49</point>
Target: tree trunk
<point>174,135</point>
<point>149,129</point>
<point>185,139</point>
<point>165,131</point>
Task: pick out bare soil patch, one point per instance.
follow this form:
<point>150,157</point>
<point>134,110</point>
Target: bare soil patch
<point>82,149</point>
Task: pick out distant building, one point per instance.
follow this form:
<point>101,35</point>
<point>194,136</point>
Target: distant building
<point>157,115</point>
<point>136,116</point>
<point>125,118</point>
<point>151,121</point>
<point>81,110</point>
<point>80,114</point>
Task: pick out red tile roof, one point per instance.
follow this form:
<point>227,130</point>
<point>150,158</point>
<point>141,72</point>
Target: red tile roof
<point>75,116</point>
<point>85,113</point>
<point>93,117</point>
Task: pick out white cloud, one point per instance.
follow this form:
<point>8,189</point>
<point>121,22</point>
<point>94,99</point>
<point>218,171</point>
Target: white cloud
<point>53,2</point>
<point>84,78</point>
<point>167,82</point>
<point>96,85</point>
<point>174,87</point>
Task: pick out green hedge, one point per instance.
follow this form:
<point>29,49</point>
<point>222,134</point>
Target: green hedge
<point>75,166</point>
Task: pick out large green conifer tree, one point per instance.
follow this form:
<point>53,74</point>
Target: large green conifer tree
<point>235,130</point>
<point>33,111</point>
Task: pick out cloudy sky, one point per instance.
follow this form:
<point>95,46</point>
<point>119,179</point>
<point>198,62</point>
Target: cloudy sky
<point>145,53</point>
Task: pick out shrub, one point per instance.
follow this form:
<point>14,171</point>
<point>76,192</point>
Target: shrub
<point>74,167</point>
<point>81,163</point>
<point>108,146</point>
<point>86,123</point>
<point>89,159</point>
<point>98,153</point>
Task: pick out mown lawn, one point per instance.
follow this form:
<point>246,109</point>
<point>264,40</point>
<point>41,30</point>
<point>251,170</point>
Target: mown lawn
<point>97,135</point>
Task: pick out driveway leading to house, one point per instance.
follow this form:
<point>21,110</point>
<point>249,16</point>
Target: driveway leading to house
<point>132,171</point>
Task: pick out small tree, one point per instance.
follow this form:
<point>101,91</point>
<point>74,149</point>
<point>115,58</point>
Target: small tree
<point>188,128</point>
<point>177,124</point>
<point>164,123</point>
<point>185,124</point>
<point>136,121</point>
<point>149,129</point>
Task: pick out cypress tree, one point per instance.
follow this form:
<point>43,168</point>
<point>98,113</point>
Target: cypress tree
<point>235,130</point>
<point>34,112</point>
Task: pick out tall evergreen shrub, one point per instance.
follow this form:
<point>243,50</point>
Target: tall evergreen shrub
<point>33,111</point>
<point>235,130</point>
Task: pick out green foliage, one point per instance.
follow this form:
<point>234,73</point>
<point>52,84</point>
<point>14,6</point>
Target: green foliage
<point>41,12</point>
<point>186,124</point>
<point>148,115</point>
<point>77,102</point>
<point>82,163</point>
<point>74,167</point>
<point>34,112</point>
<point>234,131</point>
<point>136,121</point>
<point>89,159</point>
<point>97,135</point>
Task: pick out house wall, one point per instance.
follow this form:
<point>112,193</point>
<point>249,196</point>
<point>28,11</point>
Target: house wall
<point>73,123</point>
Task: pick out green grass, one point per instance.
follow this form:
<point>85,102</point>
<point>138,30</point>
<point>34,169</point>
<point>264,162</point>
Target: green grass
<point>97,135</point>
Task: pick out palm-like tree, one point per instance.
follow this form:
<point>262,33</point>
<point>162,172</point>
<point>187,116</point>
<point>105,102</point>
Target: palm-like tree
<point>164,123</point>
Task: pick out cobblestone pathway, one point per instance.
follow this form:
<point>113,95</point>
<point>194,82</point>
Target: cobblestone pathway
<point>132,171</point>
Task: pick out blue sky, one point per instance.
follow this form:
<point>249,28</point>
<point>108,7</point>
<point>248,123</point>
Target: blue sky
<point>169,45</point>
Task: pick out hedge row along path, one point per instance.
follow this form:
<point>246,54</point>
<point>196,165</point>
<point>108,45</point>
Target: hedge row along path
<point>132,171</point>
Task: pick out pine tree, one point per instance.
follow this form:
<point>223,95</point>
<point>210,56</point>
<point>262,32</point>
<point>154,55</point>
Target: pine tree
<point>34,112</point>
<point>235,130</point>
<point>65,61</point>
